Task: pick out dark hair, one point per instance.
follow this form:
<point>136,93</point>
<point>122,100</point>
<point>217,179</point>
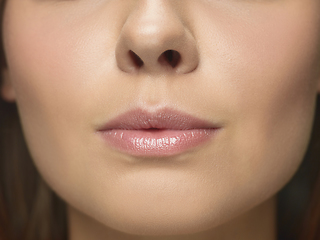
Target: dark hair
<point>299,201</point>
<point>30,210</point>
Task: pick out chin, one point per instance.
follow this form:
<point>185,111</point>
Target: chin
<point>155,223</point>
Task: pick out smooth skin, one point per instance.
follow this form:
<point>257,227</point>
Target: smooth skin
<point>250,65</point>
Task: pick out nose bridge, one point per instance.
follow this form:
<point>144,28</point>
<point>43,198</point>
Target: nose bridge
<point>154,37</point>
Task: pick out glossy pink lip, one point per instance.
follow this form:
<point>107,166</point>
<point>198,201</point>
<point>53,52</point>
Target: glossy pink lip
<point>162,133</point>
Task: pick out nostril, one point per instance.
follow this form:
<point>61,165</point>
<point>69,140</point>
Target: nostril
<point>170,57</point>
<point>137,61</point>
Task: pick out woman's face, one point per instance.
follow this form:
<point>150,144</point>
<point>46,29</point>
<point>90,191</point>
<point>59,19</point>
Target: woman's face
<point>249,69</point>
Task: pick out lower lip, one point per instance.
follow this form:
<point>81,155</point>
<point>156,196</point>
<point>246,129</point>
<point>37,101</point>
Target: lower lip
<point>156,143</point>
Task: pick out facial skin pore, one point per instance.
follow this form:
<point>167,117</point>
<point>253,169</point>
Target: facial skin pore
<point>251,66</point>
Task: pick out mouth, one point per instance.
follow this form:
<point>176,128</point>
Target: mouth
<point>156,134</point>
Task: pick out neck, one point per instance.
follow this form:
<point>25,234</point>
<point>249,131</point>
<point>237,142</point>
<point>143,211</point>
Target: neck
<point>257,223</point>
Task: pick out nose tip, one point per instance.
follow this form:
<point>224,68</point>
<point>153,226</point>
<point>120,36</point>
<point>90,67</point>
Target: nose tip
<point>154,39</point>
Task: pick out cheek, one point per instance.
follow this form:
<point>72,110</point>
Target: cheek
<point>46,53</point>
<point>56,63</point>
<point>265,70</point>
<point>275,86</point>
<point>265,74</point>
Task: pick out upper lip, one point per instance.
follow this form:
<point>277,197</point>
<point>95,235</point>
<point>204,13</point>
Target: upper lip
<point>139,119</point>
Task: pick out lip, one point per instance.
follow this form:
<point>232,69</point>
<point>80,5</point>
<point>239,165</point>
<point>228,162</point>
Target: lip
<point>165,132</point>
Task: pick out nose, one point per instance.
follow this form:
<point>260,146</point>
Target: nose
<point>154,39</point>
